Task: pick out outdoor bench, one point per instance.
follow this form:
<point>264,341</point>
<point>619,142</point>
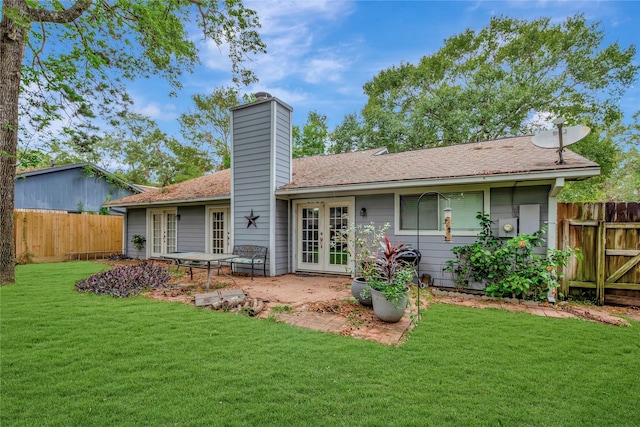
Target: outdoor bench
<point>248,255</point>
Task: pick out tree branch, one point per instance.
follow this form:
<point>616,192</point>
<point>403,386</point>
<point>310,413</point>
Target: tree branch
<point>59,17</point>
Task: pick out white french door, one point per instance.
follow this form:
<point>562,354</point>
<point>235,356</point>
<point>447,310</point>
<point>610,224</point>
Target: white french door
<point>218,234</point>
<point>319,243</point>
<point>164,232</point>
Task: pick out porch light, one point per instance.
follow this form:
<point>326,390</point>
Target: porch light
<point>363,212</point>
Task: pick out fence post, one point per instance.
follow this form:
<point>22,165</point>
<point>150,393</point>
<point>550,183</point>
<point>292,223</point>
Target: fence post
<point>564,287</point>
<point>600,261</point>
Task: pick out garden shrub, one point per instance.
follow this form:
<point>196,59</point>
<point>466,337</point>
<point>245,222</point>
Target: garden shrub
<point>508,267</point>
<point>125,281</point>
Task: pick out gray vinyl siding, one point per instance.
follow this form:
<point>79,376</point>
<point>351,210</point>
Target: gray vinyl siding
<point>251,173</point>
<point>379,210</point>
<point>191,229</point>
<point>136,224</point>
<point>72,190</point>
<point>435,251</point>
<point>506,201</point>
<point>282,145</point>
<point>281,251</point>
<point>261,162</point>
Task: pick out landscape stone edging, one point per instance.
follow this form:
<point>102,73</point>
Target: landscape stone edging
<point>442,293</point>
<point>584,313</point>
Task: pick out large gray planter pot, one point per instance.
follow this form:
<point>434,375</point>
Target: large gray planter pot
<point>388,311</point>
<point>357,286</point>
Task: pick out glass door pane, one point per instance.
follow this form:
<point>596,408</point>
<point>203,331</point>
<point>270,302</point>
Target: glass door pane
<point>218,234</point>
<point>310,235</point>
<point>338,221</point>
<point>172,240</point>
<point>156,247</point>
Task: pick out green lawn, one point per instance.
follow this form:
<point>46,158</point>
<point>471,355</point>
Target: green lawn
<point>71,359</point>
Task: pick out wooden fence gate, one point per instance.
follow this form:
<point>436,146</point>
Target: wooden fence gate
<point>608,236</point>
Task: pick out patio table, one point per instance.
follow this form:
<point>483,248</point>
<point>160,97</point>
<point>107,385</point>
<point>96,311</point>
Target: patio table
<point>182,257</point>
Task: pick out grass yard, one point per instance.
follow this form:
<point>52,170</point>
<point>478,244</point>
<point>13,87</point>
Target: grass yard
<point>71,359</point>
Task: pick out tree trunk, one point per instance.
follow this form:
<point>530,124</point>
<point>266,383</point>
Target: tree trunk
<point>12,45</point>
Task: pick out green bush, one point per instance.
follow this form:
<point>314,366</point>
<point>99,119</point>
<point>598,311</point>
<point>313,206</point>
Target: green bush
<point>508,267</point>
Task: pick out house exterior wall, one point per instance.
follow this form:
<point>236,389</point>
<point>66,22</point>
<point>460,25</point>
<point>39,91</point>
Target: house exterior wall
<point>282,247</point>
<point>191,229</point>
<point>282,175</point>
<point>504,203</point>
<point>72,190</point>
<point>282,170</point>
<point>136,223</point>
<point>261,162</point>
<point>435,251</point>
<point>251,173</point>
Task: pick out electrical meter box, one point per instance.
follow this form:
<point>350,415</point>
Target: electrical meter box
<point>529,219</point>
<point>507,227</point>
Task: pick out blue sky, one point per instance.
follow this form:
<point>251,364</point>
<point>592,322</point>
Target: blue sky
<point>320,53</point>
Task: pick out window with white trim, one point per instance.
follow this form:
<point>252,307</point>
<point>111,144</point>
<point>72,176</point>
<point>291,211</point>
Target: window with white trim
<point>465,206</point>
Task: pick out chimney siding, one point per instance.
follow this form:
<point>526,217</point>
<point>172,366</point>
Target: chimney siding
<point>260,163</point>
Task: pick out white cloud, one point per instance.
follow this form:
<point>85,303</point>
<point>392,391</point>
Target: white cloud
<point>539,121</point>
<point>324,69</point>
<point>292,31</point>
<point>154,110</point>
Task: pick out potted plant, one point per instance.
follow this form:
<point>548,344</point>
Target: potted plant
<point>389,281</point>
<point>381,275</point>
<point>138,242</point>
<point>362,243</point>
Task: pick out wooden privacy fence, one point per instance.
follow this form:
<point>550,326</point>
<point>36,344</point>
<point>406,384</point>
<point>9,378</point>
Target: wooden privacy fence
<point>54,236</point>
<point>608,235</point>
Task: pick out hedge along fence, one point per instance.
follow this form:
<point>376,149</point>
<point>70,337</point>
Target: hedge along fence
<point>609,237</point>
<point>43,236</point>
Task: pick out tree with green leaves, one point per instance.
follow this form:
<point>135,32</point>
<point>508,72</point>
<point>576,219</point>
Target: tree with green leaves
<point>142,154</point>
<point>312,139</point>
<point>491,83</point>
<point>70,63</point>
<point>620,178</point>
<point>208,123</point>
<point>347,136</point>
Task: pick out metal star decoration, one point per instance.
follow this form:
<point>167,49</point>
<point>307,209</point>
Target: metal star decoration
<point>252,219</point>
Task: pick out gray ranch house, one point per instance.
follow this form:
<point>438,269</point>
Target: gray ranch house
<point>81,187</point>
<point>296,207</point>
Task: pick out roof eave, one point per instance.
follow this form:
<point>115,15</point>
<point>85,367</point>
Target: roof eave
<point>168,202</point>
<point>568,174</point>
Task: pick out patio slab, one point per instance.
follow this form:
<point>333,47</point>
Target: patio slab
<point>319,302</point>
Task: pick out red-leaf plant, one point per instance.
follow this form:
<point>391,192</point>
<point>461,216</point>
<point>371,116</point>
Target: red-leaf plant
<point>391,273</point>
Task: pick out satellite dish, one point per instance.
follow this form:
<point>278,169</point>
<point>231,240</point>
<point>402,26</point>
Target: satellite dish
<point>560,138</point>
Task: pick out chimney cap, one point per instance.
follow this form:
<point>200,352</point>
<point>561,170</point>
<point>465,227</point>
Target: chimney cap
<point>262,95</point>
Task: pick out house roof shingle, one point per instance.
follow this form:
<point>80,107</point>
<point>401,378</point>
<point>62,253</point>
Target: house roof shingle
<point>501,156</point>
<point>505,156</point>
<point>215,185</point>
